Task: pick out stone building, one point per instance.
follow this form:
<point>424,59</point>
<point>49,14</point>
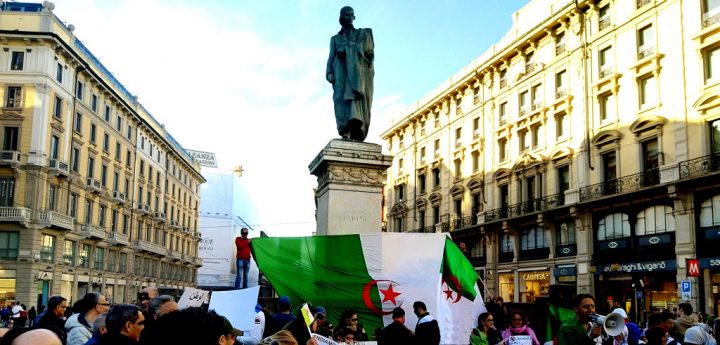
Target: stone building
<point>582,149</point>
<point>95,194</point>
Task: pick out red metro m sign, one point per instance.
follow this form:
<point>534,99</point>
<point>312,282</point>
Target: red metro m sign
<point>693,267</point>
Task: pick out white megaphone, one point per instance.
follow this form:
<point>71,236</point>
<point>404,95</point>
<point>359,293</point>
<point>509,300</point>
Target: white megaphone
<point>614,323</point>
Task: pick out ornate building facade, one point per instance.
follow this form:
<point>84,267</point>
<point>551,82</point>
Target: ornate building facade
<point>95,194</point>
<point>582,149</point>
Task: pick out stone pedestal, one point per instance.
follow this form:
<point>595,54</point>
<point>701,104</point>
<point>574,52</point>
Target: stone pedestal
<point>349,192</point>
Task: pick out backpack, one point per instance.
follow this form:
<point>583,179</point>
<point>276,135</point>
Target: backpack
<point>23,314</point>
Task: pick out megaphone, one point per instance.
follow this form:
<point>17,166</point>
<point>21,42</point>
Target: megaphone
<point>614,323</point>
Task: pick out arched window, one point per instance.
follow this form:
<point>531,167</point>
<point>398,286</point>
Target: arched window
<point>655,220</point>
<point>613,226</point>
<point>533,238</point>
<point>566,233</point>
<point>506,245</point>
<point>710,212</point>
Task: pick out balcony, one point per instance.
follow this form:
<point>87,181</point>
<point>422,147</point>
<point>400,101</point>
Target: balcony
<point>93,185</point>
<point>119,239</point>
<point>462,223</point>
<point>197,235</point>
<point>523,111</point>
<point>527,207</point>
<point>560,92</point>
<point>529,67</point>
<point>14,214</point>
<point>700,166</point>
<point>176,256</point>
<point>710,17</point>
<point>143,208</point>
<point>58,167</point>
<point>118,197</point>
<point>52,218</point>
<point>159,216</point>
<point>645,51</point>
<point>174,224</point>
<point>559,48</point>
<point>92,231</point>
<point>503,83</point>
<point>621,185</point>
<point>536,104</point>
<point>11,158</point>
<point>149,247</point>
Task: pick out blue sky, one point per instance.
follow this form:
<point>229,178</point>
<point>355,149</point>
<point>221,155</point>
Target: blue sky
<point>245,79</point>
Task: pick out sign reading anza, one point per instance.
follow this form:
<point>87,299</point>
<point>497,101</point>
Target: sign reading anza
<point>206,159</point>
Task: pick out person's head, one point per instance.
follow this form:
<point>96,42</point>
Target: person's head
<point>696,336</point>
<point>125,319</point>
<point>57,305</point>
<point>91,305</point>
<point>98,325</point>
<point>222,329</point>
<point>419,308</point>
<point>656,335</point>
<point>146,295</point>
<point>320,315</point>
<point>347,16</point>
<point>284,304</point>
<point>244,232</point>
<point>348,318</point>
<point>38,336</point>
<point>684,309</point>
<point>347,335</point>
<point>517,319</point>
<point>398,314</point>
<point>584,307</point>
<point>462,246</point>
<point>486,321</point>
<point>162,305</point>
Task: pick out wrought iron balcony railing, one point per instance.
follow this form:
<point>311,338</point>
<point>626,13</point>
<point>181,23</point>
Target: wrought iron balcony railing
<point>699,166</point>
<point>536,205</point>
<point>621,185</point>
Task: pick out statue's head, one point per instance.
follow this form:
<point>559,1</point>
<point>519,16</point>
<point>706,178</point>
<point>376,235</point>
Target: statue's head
<point>347,15</point>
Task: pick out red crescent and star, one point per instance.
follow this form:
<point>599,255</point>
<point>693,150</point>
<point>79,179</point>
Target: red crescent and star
<point>389,295</point>
<point>450,279</point>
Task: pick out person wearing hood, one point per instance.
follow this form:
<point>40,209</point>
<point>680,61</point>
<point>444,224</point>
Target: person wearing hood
<point>79,325</point>
<point>427,330</point>
<point>699,335</point>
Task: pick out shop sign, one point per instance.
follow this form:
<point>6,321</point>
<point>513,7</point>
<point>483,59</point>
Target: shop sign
<point>710,263</point>
<point>693,268</point>
<point>536,275</point>
<point>565,271</point>
<point>649,266</point>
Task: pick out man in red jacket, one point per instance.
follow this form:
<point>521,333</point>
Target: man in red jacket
<point>242,244</point>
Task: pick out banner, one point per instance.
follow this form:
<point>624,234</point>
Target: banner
<point>519,340</point>
<point>238,306</point>
<point>193,297</point>
<point>327,341</point>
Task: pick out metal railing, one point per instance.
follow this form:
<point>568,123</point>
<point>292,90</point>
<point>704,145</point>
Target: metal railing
<point>559,48</point>
<point>699,166</point>
<point>621,185</point>
<point>604,23</point>
<point>536,205</point>
<point>560,93</point>
<point>645,51</point>
<point>710,18</point>
<point>10,157</point>
<point>90,230</point>
<point>641,3</point>
<point>605,71</point>
<point>57,219</point>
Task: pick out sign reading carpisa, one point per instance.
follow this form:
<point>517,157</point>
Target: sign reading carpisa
<point>206,159</point>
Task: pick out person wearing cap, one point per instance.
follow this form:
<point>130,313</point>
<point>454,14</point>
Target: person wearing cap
<point>254,335</point>
<point>321,325</point>
<point>283,316</point>
<point>632,332</point>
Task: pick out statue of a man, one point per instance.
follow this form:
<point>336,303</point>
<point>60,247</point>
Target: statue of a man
<point>350,71</point>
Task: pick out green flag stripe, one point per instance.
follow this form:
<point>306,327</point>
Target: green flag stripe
<point>458,272</point>
<point>326,271</point>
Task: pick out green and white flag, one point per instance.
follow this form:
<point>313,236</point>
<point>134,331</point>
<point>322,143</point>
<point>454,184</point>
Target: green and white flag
<point>375,273</point>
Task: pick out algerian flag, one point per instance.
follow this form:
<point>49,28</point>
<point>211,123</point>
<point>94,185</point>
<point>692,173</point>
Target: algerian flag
<point>374,273</point>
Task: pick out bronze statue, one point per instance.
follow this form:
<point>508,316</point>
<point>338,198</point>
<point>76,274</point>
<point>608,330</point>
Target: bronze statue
<point>350,71</point>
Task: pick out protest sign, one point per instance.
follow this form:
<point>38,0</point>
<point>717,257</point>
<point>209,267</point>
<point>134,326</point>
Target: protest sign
<point>193,297</point>
<point>238,306</point>
<point>327,341</point>
<point>519,340</point>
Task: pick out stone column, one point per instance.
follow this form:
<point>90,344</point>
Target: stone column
<point>349,194</point>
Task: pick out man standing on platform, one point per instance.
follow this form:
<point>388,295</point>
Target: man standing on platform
<point>242,244</point>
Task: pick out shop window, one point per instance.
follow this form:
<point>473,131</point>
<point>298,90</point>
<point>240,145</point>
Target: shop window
<point>9,244</point>
<point>507,286</point>
<point>69,253</point>
<point>710,212</point>
<point>613,226</point>
<point>534,284</point>
<point>655,220</point>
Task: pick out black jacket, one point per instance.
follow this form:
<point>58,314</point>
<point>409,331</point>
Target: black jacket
<point>115,339</point>
<point>427,331</point>
<point>54,323</point>
<point>396,334</point>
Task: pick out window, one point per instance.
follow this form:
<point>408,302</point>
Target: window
<point>524,102</point>
<point>54,146</point>
<point>116,181</point>
<point>560,87</point>
<point>710,212</point>
<point>711,62</point>
<point>609,166</point>
<point>458,107</point>
<point>112,254</point>
<point>525,140</point>
<point>502,150</point>
<point>52,197</point>
<point>711,12</point>
<point>99,263</point>
<point>477,91</point>
<point>7,192</point>
<point>122,263</point>
<point>9,244</point>
<point>93,133</point>
<point>47,251</point>
<point>422,155</point>
<point>142,168</point>
<point>563,178</point>
<point>72,205</point>
<point>502,114</point>
<point>614,226</point>
<point>458,137</point>
<point>536,95</point>
<point>17,61</point>
<point>94,102</point>
<point>422,183</point>
<point>421,220</point>
<point>91,167</point>
<point>605,61</point>
<point>506,244</point>
<point>85,255</point>
<point>655,220</point>
<point>475,161</point>
<point>59,72</point>
<point>646,41</point>
<point>400,193</point>
<point>103,175</point>
<point>566,233</point>
<point>10,139</point>
<point>436,214</point>
<point>69,253</point>
<point>129,132</point>
<point>75,159</point>
<point>106,142</point>
<point>476,128</point>
<point>647,91</point>
<point>89,204</point>
<point>78,123</point>
<point>79,90</point>
<point>458,210</point>
<point>535,131</point>
<point>606,105</point>
<point>560,43</point>
<point>530,62</point>
<point>118,124</point>
<point>107,113</point>
<point>458,169</point>
<point>401,142</point>
<point>503,78</point>
<point>437,148</point>
<point>118,152</point>
<point>13,97</point>
<point>436,177</point>
<point>57,107</point>
<point>127,158</point>
<point>400,167</point>
<point>126,224</point>
<point>127,186</point>
<point>533,238</point>
<point>437,121</point>
<point>604,20</point>
<point>561,125</point>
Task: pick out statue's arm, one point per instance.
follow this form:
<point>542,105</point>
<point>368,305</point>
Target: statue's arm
<point>370,46</point>
<point>329,72</point>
